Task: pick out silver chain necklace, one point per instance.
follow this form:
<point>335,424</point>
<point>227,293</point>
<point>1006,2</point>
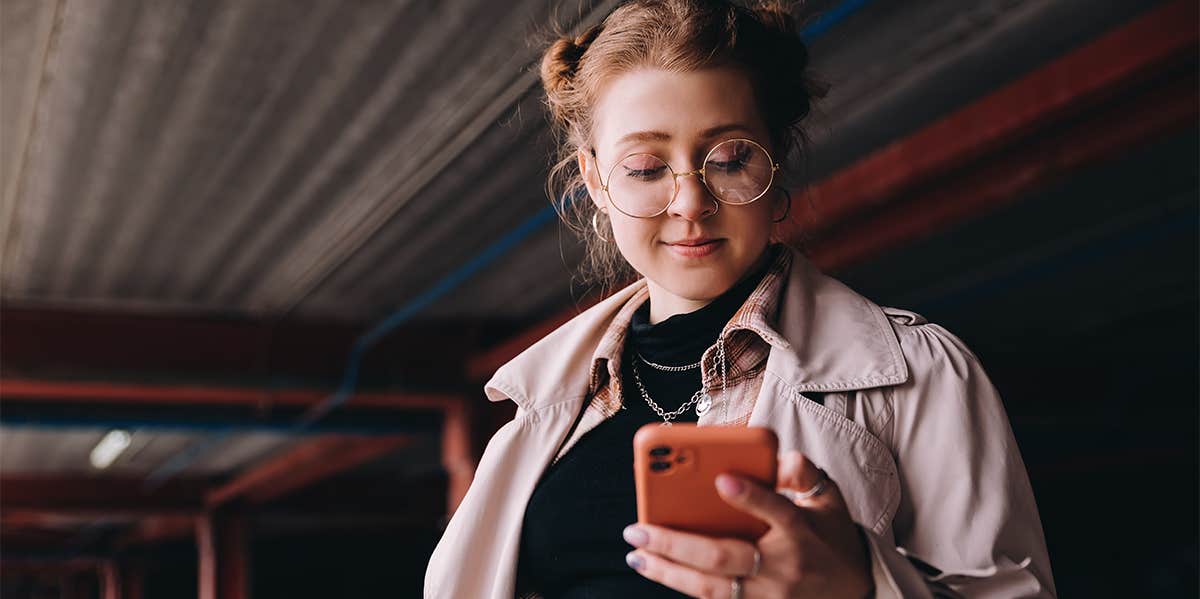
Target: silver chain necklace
<point>701,399</point>
<point>668,368</point>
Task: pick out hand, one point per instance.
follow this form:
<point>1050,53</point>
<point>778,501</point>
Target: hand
<point>812,549</point>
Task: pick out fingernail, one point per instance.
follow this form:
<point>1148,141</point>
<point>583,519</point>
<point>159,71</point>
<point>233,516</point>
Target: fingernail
<point>635,561</point>
<point>635,536</point>
<point>729,485</point>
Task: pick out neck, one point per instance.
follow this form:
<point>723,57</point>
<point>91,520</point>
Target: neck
<point>664,304</point>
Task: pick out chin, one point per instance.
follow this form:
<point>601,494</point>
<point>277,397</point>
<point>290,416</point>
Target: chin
<point>698,285</point>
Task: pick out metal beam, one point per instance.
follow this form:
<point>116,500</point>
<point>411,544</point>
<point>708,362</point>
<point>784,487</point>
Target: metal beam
<point>99,497</point>
<point>51,405</point>
<point>301,466</point>
<point>31,504</point>
<point>1008,176</point>
<point>42,343</point>
<point>108,394</point>
<point>1086,77</point>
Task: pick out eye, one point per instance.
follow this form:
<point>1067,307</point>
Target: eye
<point>643,168</point>
<point>729,161</point>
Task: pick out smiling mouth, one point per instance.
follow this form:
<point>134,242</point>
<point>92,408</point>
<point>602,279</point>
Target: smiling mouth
<point>695,248</point>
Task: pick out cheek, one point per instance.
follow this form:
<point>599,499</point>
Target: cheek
<point>635,238</point>
<point>751,225</point>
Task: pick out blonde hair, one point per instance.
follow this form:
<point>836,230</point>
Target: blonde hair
<point>679,36</point>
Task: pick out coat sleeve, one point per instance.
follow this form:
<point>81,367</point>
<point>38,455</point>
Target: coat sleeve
<point>967,524</point>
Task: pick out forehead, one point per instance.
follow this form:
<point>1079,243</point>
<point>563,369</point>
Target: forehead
<point>679,104</point>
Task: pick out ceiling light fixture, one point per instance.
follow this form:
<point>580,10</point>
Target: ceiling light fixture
<point>109,447</point>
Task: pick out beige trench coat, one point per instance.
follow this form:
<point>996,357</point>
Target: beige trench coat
<point>911,429</point>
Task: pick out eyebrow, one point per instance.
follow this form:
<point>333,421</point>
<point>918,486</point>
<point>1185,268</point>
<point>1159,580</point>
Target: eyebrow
<point>709,133</point>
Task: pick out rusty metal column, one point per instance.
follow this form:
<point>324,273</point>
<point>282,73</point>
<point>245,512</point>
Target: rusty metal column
<point>458,455</point>
<point>110,580</point>
<point>222,544</point>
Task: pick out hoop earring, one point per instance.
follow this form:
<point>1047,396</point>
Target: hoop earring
<point>596,227</point>
<point>786,211</point>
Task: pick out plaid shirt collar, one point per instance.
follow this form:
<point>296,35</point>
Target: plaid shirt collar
<point>843,340</point>
<point>757,315</point>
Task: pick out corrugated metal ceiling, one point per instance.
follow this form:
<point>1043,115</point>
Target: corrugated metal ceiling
<point>325,159</point>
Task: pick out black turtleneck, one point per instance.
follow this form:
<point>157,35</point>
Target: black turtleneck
<point>571,544</point>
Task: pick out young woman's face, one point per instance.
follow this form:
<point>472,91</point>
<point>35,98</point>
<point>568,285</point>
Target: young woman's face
<point>698,248</point>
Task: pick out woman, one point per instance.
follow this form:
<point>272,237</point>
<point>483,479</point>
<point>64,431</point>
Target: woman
<point>899,475</point>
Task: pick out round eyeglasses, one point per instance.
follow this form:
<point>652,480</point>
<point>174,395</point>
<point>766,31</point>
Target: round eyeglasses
<point>736,171</point>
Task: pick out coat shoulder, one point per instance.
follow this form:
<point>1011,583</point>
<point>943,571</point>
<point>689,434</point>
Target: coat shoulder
<point>900,316</point>
<point>930,349</point>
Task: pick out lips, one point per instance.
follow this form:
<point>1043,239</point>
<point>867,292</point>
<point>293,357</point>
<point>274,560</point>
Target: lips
<point>697,247</point>
<point>694,241</point>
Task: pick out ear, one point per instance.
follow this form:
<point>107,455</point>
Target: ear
<point>781,205</point>
<point>591,178</point>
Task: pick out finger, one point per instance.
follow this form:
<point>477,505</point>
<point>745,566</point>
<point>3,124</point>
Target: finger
<point>686,580</point>
<point>798,473</point>
<point>726,557</point>
<point>760,502</point>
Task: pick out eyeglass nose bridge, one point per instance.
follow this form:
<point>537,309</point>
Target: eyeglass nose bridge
<point>699,172</point>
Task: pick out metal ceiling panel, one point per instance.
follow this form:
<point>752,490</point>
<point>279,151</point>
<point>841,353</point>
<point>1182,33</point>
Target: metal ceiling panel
<point>324,159</point>
<point>24,451</point>
<point>31,450</point>
<point>226,157</point>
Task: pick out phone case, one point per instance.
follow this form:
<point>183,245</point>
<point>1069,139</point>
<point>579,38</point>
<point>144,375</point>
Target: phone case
<point>675,468</point>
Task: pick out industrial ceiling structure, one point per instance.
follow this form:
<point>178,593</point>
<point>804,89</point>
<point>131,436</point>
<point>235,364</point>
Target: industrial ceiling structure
<point>281,244</point>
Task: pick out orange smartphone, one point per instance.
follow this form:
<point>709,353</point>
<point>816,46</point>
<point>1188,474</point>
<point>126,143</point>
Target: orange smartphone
<point>675,467</point>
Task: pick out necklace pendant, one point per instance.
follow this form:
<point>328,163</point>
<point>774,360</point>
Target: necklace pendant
<point>704,404</point>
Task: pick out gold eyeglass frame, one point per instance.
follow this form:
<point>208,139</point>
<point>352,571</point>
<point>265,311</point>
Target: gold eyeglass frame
<point>700,171</point>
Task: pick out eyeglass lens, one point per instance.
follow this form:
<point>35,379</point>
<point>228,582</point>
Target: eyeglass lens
<point>735,171</point>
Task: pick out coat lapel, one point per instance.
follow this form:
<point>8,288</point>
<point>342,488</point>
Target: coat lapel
<point>839,341</point>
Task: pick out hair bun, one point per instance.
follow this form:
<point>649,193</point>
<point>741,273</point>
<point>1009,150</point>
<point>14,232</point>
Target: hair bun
<point>776,16</point>
<point>561,60</point>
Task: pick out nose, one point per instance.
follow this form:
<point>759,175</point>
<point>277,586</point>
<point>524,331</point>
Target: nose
<point>692,200</point>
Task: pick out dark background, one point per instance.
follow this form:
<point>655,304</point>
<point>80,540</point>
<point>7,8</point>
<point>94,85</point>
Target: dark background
<point>208,206</point>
